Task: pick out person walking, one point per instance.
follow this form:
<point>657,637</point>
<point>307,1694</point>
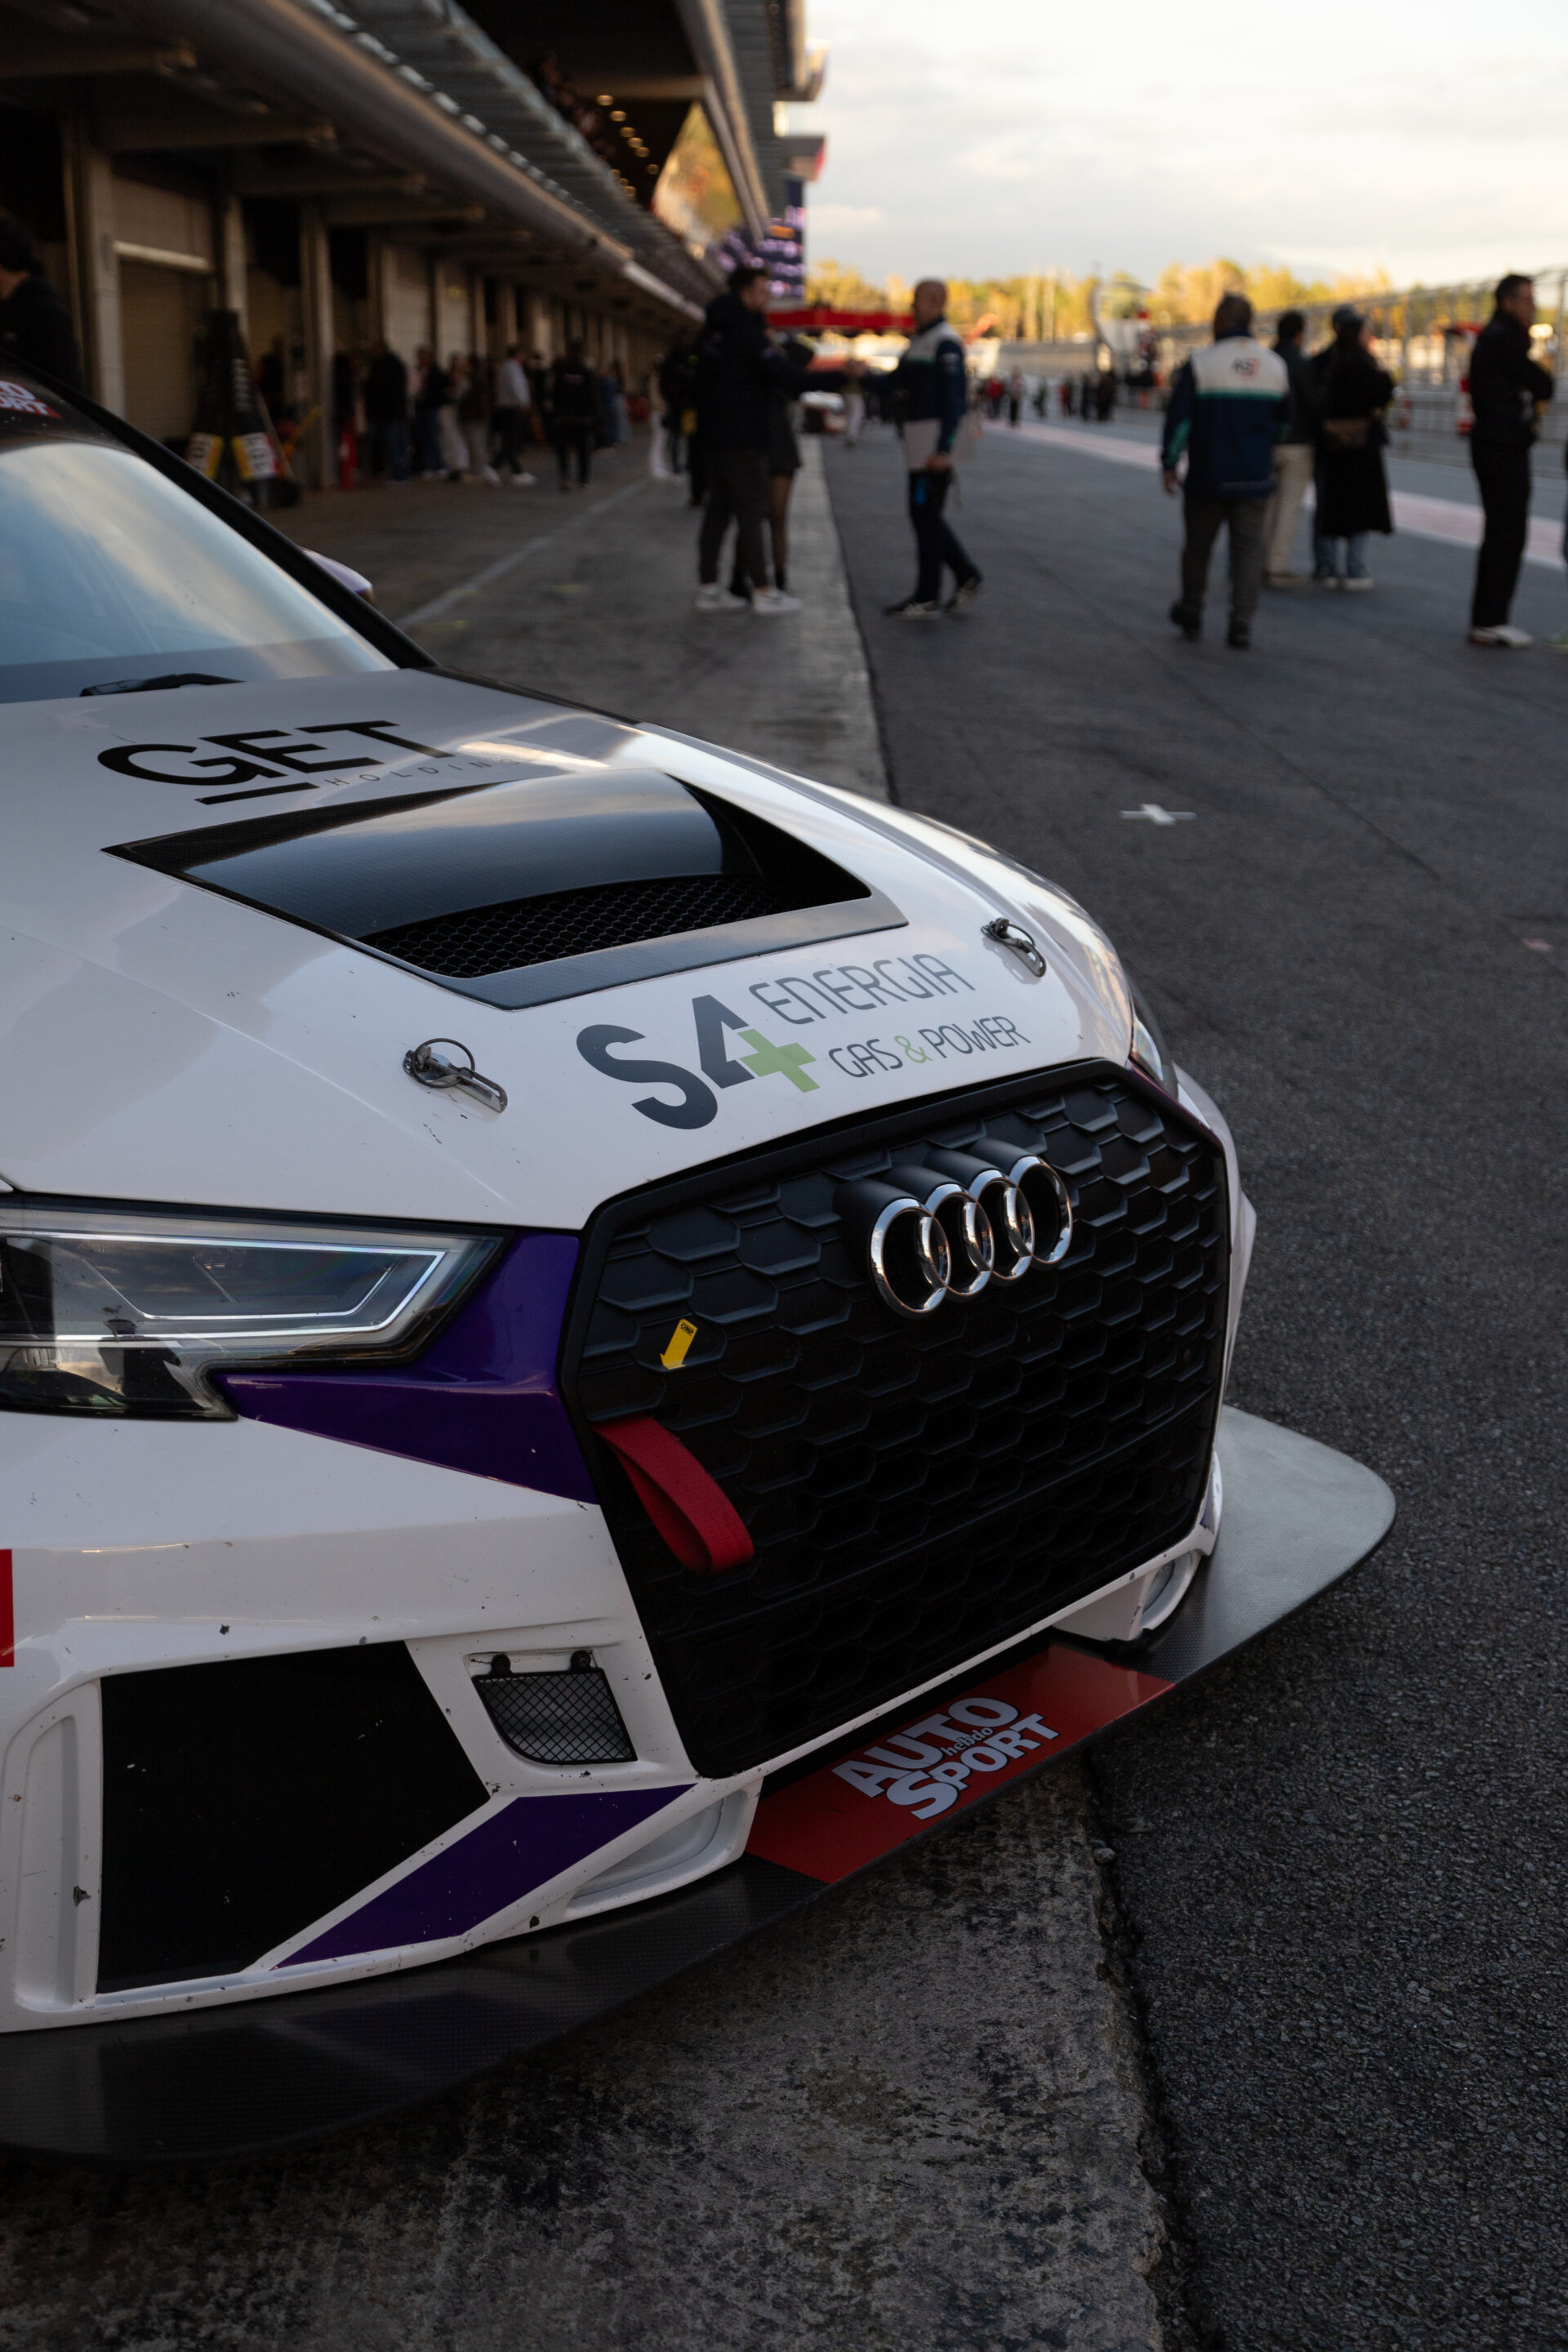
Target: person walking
<point>1017,388</point>
<point>430,393</point>
<point>386,413</point>
<point>1226,405</point>
<point>664,425</point>
<point>509,416</point>
<point>1353,489</point>
<point>617,419</point>
<point>34,322</point>
<point>574,414</point>
<point>930,392</point>
<point>738,372</point>
<point>1295,452</point>
<point>474,418</point>
<point>1508,391</point>
<point>453,447</point>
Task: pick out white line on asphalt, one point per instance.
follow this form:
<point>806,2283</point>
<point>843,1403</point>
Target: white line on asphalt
<point>439,607</point>
<point>1419,516</point>
<point>1155,814</point>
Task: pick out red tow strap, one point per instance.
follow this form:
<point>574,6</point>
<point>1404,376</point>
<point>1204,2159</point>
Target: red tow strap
<point>690,1511</point>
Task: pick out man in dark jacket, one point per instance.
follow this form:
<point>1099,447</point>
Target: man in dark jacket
<point>385,396</point>
<point>738,373</point>
<point>1294,452</point>
<point>34,322</point>
<point>1227,404</point>
<point>1506,387</point>
<point>574,414</point>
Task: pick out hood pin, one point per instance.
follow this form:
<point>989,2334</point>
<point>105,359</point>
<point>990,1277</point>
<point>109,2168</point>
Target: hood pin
<point>1014,936</point>
<point>432,1068</point>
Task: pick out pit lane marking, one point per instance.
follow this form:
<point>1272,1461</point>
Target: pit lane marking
<point>439,607</point>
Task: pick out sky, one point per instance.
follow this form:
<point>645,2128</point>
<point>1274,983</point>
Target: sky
<point>989,138</point>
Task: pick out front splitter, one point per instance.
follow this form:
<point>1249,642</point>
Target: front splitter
<point>227,2082</point>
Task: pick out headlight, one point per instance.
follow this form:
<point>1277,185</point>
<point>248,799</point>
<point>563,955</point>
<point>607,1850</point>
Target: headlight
<point>1147,1051</point>
<point>132,1311</point>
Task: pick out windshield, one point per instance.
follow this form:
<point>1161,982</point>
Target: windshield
<point>109,576</point>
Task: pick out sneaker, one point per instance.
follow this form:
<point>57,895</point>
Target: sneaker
<point>912,609</point>
<point>523,481</point>
<point>1239,635</point>
<point>1358,583</point>
<point>1559,644</point>
<point>773,600</point>
<point>1326,580</point>
<point>1190,624</point>
<point>488,474</point>
<point>965,592</point>
<point>715,599</point>
<point>1504,635</point>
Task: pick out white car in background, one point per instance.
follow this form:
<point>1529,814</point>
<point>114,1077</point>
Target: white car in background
<point>592,1336</point>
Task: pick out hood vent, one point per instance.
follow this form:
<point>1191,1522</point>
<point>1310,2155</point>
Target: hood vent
<point>523,931</point>
<point>523,893</point>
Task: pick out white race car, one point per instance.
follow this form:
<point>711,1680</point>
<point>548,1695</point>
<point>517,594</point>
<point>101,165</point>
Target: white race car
<point>587,1327</point>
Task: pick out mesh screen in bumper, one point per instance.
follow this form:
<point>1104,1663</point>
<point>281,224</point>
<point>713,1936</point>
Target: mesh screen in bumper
<point>916,1492</point>
<point>557,1718</point>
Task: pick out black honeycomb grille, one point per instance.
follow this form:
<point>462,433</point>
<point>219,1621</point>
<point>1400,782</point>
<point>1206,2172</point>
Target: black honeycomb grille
<point>522,931</point>
<point>915,1492</point>
<point>557,1718</point>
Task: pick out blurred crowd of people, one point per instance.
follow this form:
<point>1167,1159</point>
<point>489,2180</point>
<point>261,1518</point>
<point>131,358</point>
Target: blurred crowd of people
<point>465,418</point>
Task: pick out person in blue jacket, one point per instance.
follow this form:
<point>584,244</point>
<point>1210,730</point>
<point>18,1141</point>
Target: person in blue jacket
<point>927,391</point>
<point>1227,403</point>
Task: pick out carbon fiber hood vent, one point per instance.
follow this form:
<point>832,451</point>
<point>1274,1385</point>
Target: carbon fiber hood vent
<point>522,893</point>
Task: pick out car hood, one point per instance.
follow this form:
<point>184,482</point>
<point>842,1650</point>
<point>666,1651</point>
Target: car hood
<point>189,1012</point>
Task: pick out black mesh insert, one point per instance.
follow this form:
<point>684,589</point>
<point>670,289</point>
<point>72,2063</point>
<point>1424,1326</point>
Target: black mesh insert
<point>244,1799</point>
<point>575,922</point>
<point>557,1718</point>
<point>916,1492</point>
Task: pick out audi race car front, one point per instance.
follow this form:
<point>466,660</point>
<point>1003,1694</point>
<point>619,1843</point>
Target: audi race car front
<point>554,1284</point>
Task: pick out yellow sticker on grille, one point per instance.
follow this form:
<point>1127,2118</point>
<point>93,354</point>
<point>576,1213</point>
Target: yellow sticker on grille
<point>680,1340</point>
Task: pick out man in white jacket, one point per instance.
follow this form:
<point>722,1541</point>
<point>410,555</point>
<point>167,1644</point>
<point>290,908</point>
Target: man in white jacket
<point>513,401</point>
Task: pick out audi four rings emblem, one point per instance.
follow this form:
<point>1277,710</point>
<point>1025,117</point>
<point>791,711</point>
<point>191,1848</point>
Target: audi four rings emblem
<point>945,1227</point>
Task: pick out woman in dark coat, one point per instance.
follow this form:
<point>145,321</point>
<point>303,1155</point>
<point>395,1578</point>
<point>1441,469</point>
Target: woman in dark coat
<point>1352,491</point>
<point>783,465</point>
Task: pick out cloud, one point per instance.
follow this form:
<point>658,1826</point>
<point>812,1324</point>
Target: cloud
<point>828,219</point>
<point>1054,143</point>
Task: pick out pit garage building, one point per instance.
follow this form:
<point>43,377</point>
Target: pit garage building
<point>519,171</point>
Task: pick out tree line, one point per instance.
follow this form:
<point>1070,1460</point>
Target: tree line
<point>1052,305</point>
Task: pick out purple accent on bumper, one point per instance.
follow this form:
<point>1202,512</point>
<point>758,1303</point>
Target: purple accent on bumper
<point>483,1398</point>
<point>531,1841</point>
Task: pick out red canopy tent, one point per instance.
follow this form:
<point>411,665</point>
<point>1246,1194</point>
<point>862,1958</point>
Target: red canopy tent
<point>819,319</point>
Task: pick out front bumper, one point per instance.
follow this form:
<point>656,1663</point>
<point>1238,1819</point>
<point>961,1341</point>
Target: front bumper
<point>220,2081</point>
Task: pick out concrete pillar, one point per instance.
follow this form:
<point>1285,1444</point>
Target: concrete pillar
<point>317,460</point>
<point>379,264</point>
<point>536,326</point>
<point>95,270</point>
<point>228,242</point>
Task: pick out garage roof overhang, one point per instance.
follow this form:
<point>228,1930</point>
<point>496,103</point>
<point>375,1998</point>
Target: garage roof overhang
<point>312,51</point>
